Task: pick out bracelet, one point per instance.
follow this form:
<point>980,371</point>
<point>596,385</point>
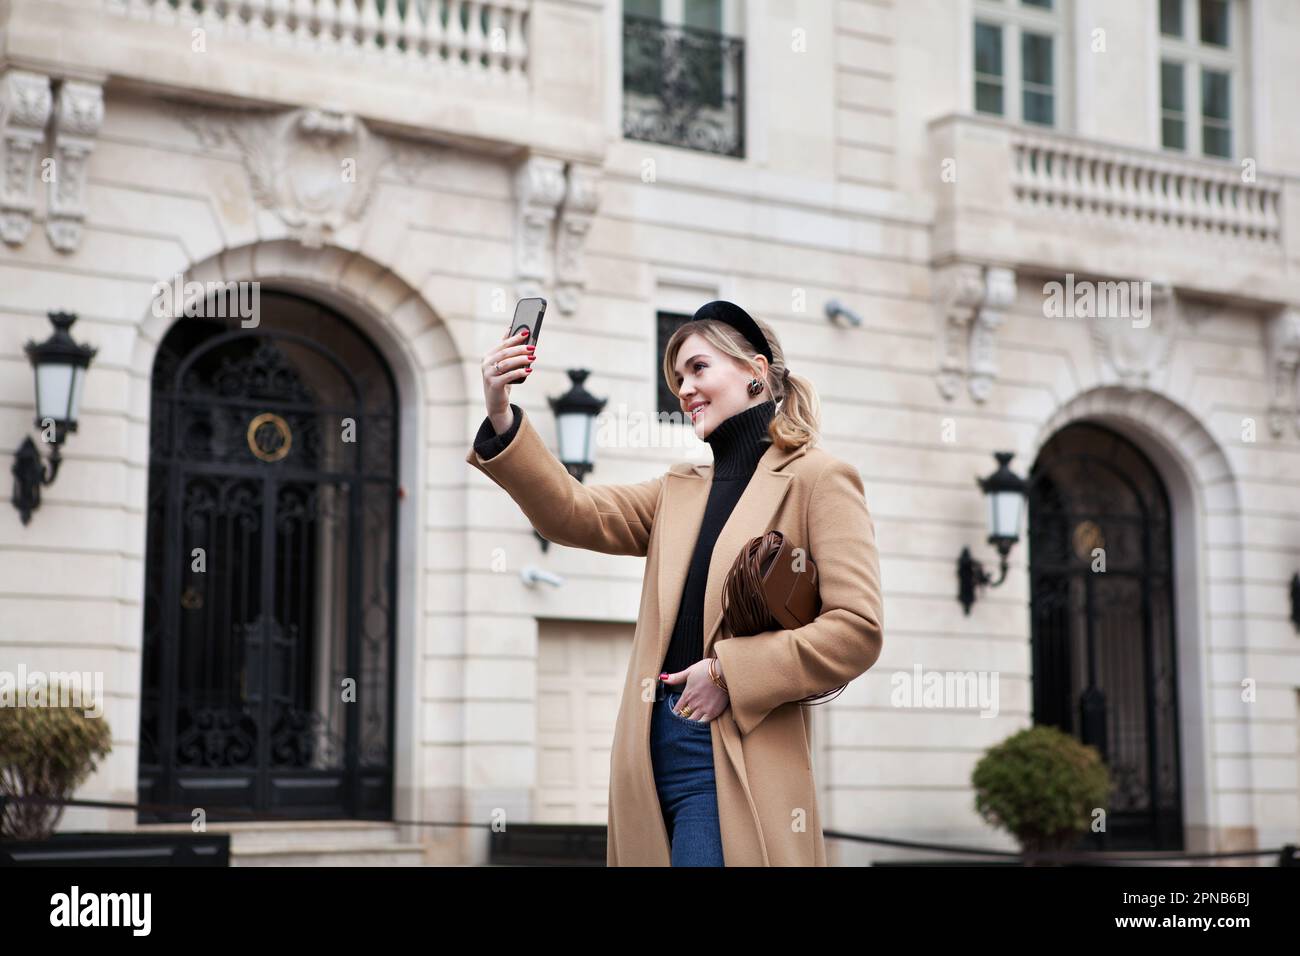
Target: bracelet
<point>713,676</point>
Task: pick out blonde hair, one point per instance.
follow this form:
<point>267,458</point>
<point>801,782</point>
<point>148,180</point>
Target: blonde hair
<point>797,421</point>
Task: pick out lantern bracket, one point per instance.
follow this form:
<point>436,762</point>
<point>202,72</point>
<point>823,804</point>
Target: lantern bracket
<point>30,475</point>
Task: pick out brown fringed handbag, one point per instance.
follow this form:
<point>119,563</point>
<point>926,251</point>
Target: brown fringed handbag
<point>763,591</point>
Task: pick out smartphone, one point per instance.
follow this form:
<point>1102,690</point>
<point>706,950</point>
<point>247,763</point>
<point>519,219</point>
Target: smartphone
<point>528,314</point>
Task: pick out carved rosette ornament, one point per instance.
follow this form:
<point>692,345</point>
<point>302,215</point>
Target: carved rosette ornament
<point>581,197</point>
<point>971,302</point>
<point>1284,370</point>
<point>77,119</point>
<point>25,103</point>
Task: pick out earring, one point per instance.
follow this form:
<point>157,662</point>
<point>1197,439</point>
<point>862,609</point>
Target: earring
<point>755,386</point>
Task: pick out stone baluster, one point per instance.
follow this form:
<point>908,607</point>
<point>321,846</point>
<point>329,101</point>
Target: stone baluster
<point>474,36</point>
<point>279,14</point>
<point>327,19</point>
<point>302,24</point>
<point>516,46</point>
<point>257,19</point>
<point>496,41</point>
<point>369,28</point>
<point>390,28</point>
<point>348,27</point>
<point>455,35</point>
<point>412,31</point>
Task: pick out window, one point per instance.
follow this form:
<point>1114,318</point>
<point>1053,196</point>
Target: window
<point>1200,76</point>
<point>1018,69</point>
<point>1037,86</point>
<point>683,74</point>
<point>668,323</point>
<point>988,68</point>
<point>1173,113</point>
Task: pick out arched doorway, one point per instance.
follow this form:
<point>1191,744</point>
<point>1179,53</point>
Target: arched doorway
<point>1104,667</point>
<point>268,659</point>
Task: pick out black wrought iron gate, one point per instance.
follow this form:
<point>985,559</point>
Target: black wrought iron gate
<point>1104,661</point>
<point>268,652</point>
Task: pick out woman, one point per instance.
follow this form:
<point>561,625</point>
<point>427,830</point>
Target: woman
<point>711,759</point>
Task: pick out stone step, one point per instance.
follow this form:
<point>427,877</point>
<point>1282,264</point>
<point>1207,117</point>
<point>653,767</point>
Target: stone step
<point>327,854</point>
<point>282,835</point>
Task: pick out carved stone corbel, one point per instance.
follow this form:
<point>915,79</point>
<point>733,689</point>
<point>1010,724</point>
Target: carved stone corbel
<point>1283,363</point>
<point>581,198</point>
<point>958,291</point>
<point>539,187</point>
<point>999,293</point>
<point>971,301</point>
<point>77,119</point>
<point>25,102</point>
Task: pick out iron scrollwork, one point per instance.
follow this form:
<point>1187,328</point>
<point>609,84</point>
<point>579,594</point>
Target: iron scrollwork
<point>683,86</point>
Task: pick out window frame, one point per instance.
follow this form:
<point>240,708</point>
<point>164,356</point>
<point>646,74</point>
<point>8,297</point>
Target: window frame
<point>1015,19</point>
<point>735,23</point>
<point>1195,57</point>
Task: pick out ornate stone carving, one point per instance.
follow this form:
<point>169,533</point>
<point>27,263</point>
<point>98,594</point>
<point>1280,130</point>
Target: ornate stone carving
<point>313,168</point>
<point>958,289</point>
<point>539,187</point>
<point>999,293</point>
<point>971,301</point>
<point>1283,363</point>
<point>25,102</point>
<point>1133,349</point>
<point>77,119</point>
<point>581,198</point>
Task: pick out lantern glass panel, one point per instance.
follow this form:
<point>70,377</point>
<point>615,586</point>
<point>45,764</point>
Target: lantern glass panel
<point>575,437</point>
<point>54,388</point>
<point>78,380</point>
<point>1004,514</point>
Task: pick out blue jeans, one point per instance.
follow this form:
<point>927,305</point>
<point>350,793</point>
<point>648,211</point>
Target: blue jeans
<point>681,750</point>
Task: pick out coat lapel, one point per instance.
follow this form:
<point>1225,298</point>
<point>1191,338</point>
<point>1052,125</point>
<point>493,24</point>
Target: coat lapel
<point>682,510</point>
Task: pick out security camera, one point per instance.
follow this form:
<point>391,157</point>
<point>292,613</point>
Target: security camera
<point>835,309</point>
<point>531,575</point>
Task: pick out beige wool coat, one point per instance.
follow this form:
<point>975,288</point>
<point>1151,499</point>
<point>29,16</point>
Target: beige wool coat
<point>762,743</point>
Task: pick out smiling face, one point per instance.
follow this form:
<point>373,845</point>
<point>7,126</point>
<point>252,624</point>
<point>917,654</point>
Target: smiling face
<point>716,382</point>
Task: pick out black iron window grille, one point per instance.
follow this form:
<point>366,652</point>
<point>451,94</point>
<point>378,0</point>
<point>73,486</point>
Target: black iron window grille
<point>666,324</point>
<point>683,86</point>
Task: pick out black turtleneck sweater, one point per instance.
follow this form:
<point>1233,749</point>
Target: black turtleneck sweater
<point>738,443</point>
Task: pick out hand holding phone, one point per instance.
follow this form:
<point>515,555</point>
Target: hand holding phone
<point>511,361</point>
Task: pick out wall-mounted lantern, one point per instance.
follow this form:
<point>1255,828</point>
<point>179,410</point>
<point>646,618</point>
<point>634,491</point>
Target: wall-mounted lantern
<point>1005,492</point>
<point>575,417</point>
<point>60,365</point>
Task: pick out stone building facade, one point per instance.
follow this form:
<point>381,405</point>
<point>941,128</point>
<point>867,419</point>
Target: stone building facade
<point>1066,229</point>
